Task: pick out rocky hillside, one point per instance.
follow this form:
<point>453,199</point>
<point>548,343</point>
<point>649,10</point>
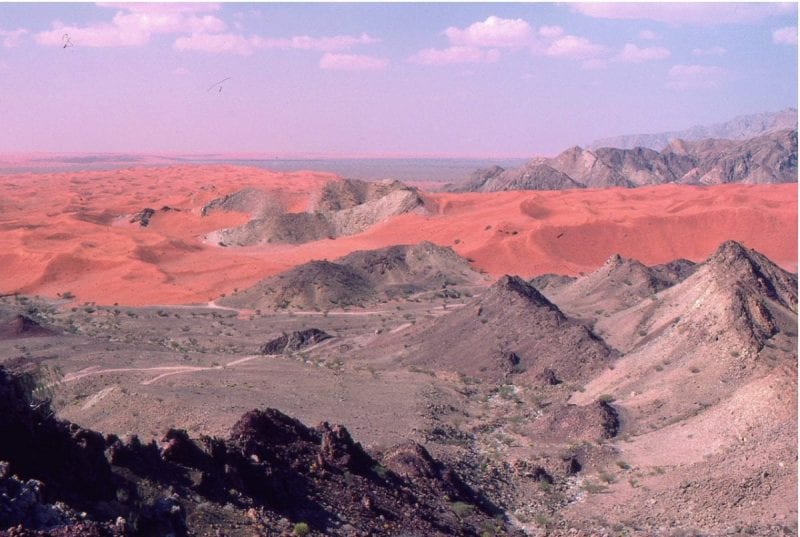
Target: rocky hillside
<point>359,278</point>
<point>770,158</point>
<point>343,207</point>
<point>739,128</point>
<point>511,331</point>
<point>619,284</point>
<point>712,327</point>
<point>271,476</point>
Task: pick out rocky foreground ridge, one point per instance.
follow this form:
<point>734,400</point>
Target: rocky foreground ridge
<point>271,476</point>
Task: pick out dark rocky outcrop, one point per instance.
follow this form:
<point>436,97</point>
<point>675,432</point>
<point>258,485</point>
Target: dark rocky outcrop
<point>19,325</point>
<point>272,470</point>
<point>294,341</point>
<point>574,423</point>
<point>143,217</point>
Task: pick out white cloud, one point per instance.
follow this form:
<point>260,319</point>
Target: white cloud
<point>217,43</point>
<point>785,36</point>
<point>494,32</point>
<point>12,38</point>
<point>352,62</point>
<point>482,42</point>
<point>685,77</point>
<point>325,44</point>
<point>711,51</point>
<point>633,54</point>
<point>551,32</point>
<point>182,7</point>
<point>135,25</point>
<point>648,35</point>
<point>574,47</point>
<point>99,35</point>
<point>685,13</point>
<point>454,55</point>
<point>239,44</point>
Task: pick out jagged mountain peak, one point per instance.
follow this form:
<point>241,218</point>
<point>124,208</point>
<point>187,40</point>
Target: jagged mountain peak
<point>735,264</point>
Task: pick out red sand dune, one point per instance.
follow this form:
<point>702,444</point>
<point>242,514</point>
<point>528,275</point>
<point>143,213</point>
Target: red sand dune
<point>71,231</point>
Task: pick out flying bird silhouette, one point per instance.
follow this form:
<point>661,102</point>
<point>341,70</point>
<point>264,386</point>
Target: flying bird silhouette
<point>67,40</point>
<point>218,84</point>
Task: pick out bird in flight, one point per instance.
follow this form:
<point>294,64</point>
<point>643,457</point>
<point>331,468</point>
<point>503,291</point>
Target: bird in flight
<point>218,85</point>
<point>67,40</point>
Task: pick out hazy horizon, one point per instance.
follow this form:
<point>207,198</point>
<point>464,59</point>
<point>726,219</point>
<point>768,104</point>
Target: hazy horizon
<point>343,81</point>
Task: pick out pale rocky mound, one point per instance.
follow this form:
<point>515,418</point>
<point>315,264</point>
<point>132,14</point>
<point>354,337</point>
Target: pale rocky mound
<point>343,207</point>
<point>533,176</point>
<point>257,203</point>
<point>289,228</point>
<point>707,396</point>
<point>547,283</point>
<point>619,284</point>
<point>359,278</point>
<point>769,158</point>
<point>510,330</point>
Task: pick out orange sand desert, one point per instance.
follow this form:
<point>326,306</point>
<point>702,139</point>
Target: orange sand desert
<point>72,231</point>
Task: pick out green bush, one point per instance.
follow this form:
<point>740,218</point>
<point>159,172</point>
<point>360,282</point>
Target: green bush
<point>461,509</point>
<point>301,529</point>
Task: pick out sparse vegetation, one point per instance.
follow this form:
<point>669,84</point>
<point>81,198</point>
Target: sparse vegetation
<point>301,529</point>
<point>461,509</point>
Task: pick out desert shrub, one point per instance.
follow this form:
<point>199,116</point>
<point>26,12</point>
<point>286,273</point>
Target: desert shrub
<point>301,529</point>
<point>461,509</point>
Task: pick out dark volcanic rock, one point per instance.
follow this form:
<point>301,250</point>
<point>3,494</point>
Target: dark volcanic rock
<point>272,468</point>
<point>548,376</point>
<point>294,341</point>
<point>143,216</point>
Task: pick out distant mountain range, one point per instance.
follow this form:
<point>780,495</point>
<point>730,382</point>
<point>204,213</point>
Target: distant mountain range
<point>738,128</point>
<point>769,158</point>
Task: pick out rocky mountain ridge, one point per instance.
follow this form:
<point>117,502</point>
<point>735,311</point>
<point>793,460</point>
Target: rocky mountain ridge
<point>738,128</point>
<point>769,158</point>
